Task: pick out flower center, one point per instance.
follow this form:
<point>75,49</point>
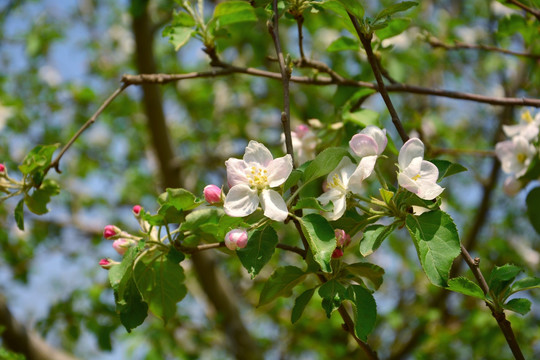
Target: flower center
<point>521,157</point>
<point>416,177</point>
<point>337,184</point>
<point>257,177</point>
<point>527,117</point>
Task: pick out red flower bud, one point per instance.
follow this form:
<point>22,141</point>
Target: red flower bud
<point>2,168</point>
<point>212,194</point>
<point>110,231</point>
<point>137,209</point>
<point>337,253</point>
<point>106,263</point>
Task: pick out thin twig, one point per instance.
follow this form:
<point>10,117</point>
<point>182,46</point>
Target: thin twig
<point>273,28</point>
<point>293,249</point>
<point>56,162</point>
<point>534,12</point>
<point>366,42</point>
<point>299,22</point>
<point>459,45</point>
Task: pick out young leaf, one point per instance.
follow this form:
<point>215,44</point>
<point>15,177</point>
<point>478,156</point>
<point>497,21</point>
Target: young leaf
<point>131,307</point>
<point>300,304</point>
<point>447,168</point>
<point>395,27</point>
<point>501,277</point>
<point>199,218</point>
<point>324,163</point>
<point>354,7</point>
<point>366,270</point>
<point>365,310</point>
<point>362,117</point>
<point>321,239</point>
<point>259,250</point>
<point>19,214</point>
<point>332,293</point>
<point>281,283</point>
<point>37,202</point>
<point>465,286</point>
<point>392,9</point>
<point>525,284</point>
<point>178,35</point>
<point>120,275</point>
<point>161,282</point>
<point>38,158</point>
<point>292,179</point>
<point>533,208</point>
<point>519,305</point>
<point>180,199</point>
<point>437,243</point>
<point>343,43</point>
<point>231,12</point>
<point>312,203</point>
<point>373,237</point>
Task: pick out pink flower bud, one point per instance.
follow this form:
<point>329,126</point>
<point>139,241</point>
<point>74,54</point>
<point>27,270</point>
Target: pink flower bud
<point>337,253</point>
<point>212,194</point>
<point>2,168</point>
<point>302,130</point>
<point>121,245</point>
<point>110,231</point>
<point>137,210</point>
<point>236,238</point>
<point>106,263</point>
<point>342,238</point>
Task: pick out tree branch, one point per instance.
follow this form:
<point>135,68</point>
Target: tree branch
<point>534,12</point>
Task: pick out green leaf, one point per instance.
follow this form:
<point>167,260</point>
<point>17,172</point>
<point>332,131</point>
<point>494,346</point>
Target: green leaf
<point>519,305</point>
<point>365,310</point>
<point>180,199</point>
<point>19,214</point>
<point>386,195</point>
<point>37,202</point>
<point>312,203</point>
<point>399,7</point>
<point>465,286</point>
<point>373,237</point>
<point>131,307</point>
<point>343,43</point>
<point>38,158</point>
<point>281,283</point>
<point>533,208</point>
<point>501,277</point>
<point>395,27</point>
<point>354,7</point>
<point>332,293</point>
<point>300,304</point>
<point>160,280</point>
<point>259,250</point>
<point>437,243</point>
<point>366,270</point>
<point>321,239</point>
<point>120,275</point>
<point>200,218</point>
<point>362,117</point>
<point>324,163</point>
<point>232,12</point>
<point>178,35</point>
<point>525,284</point>
<point>292,179</point>
<point>447,168</point>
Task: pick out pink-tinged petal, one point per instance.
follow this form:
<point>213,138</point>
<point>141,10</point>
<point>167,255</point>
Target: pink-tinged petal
<point>429,172</point>
<point>236,238</point>
<point>257,153</point>
<point>378,135</point>
<point>413,148</point>
<point>236,172</point>
<point>241,201</point>
<point>363,145</point>
<point>273,205</point>
<point>362,172</point>
<point>279,170</point>
<point>340,205</point>
<point>407,183</point>
<point>428,190</point>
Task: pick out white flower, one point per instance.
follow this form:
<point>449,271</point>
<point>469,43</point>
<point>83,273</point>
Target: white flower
<point>528,127</point>
<point>345,179</point>
<point>250,181</point>
<point>369,144</point>
<point>304,142</point>
<point>416,174</point>
<point>515,155</point>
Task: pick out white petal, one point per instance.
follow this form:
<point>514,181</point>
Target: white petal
<point>340,205</point>
<point>428,190</point>
<point>378,135</point>
<point>363,145</point>
<point>413,148</point>
<point>429,172</point>
<point>330,195</point>
<point>279,170</point>
<point>344,170</point>
<point>407,183</point>
<point>273,205</point>
<point>414,168</point>
<point>364,169</point>
<point>257,153</point>
<point>241,201</point>
<point>236,172</point>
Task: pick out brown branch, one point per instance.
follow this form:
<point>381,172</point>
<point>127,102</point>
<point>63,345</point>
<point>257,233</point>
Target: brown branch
<point>293,249</point>
<point>459,45</point>
<point>300,22</point>
<point>56,162</point>
<point>534,12</point>
<point>273,28</point>
<point>366,42</point>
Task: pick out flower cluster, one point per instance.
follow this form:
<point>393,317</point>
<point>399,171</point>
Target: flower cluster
<point>517,153</point>
<point>8,185</point>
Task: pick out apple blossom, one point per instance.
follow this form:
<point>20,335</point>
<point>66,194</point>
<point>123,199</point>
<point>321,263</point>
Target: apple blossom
<point>342,238</point>
<point>121,245</point>
<point>345,179</point>
<point>110,230</point>
<point>528,127</point>
<point>515,155</point>
<point>137,210</point>
<point>250,181</point>
<point>368,145</point>
<point>236,238</point>
<point>212,194</point>
<point>512,186</point>
<point>304,142</point>
<point>416,174</point>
